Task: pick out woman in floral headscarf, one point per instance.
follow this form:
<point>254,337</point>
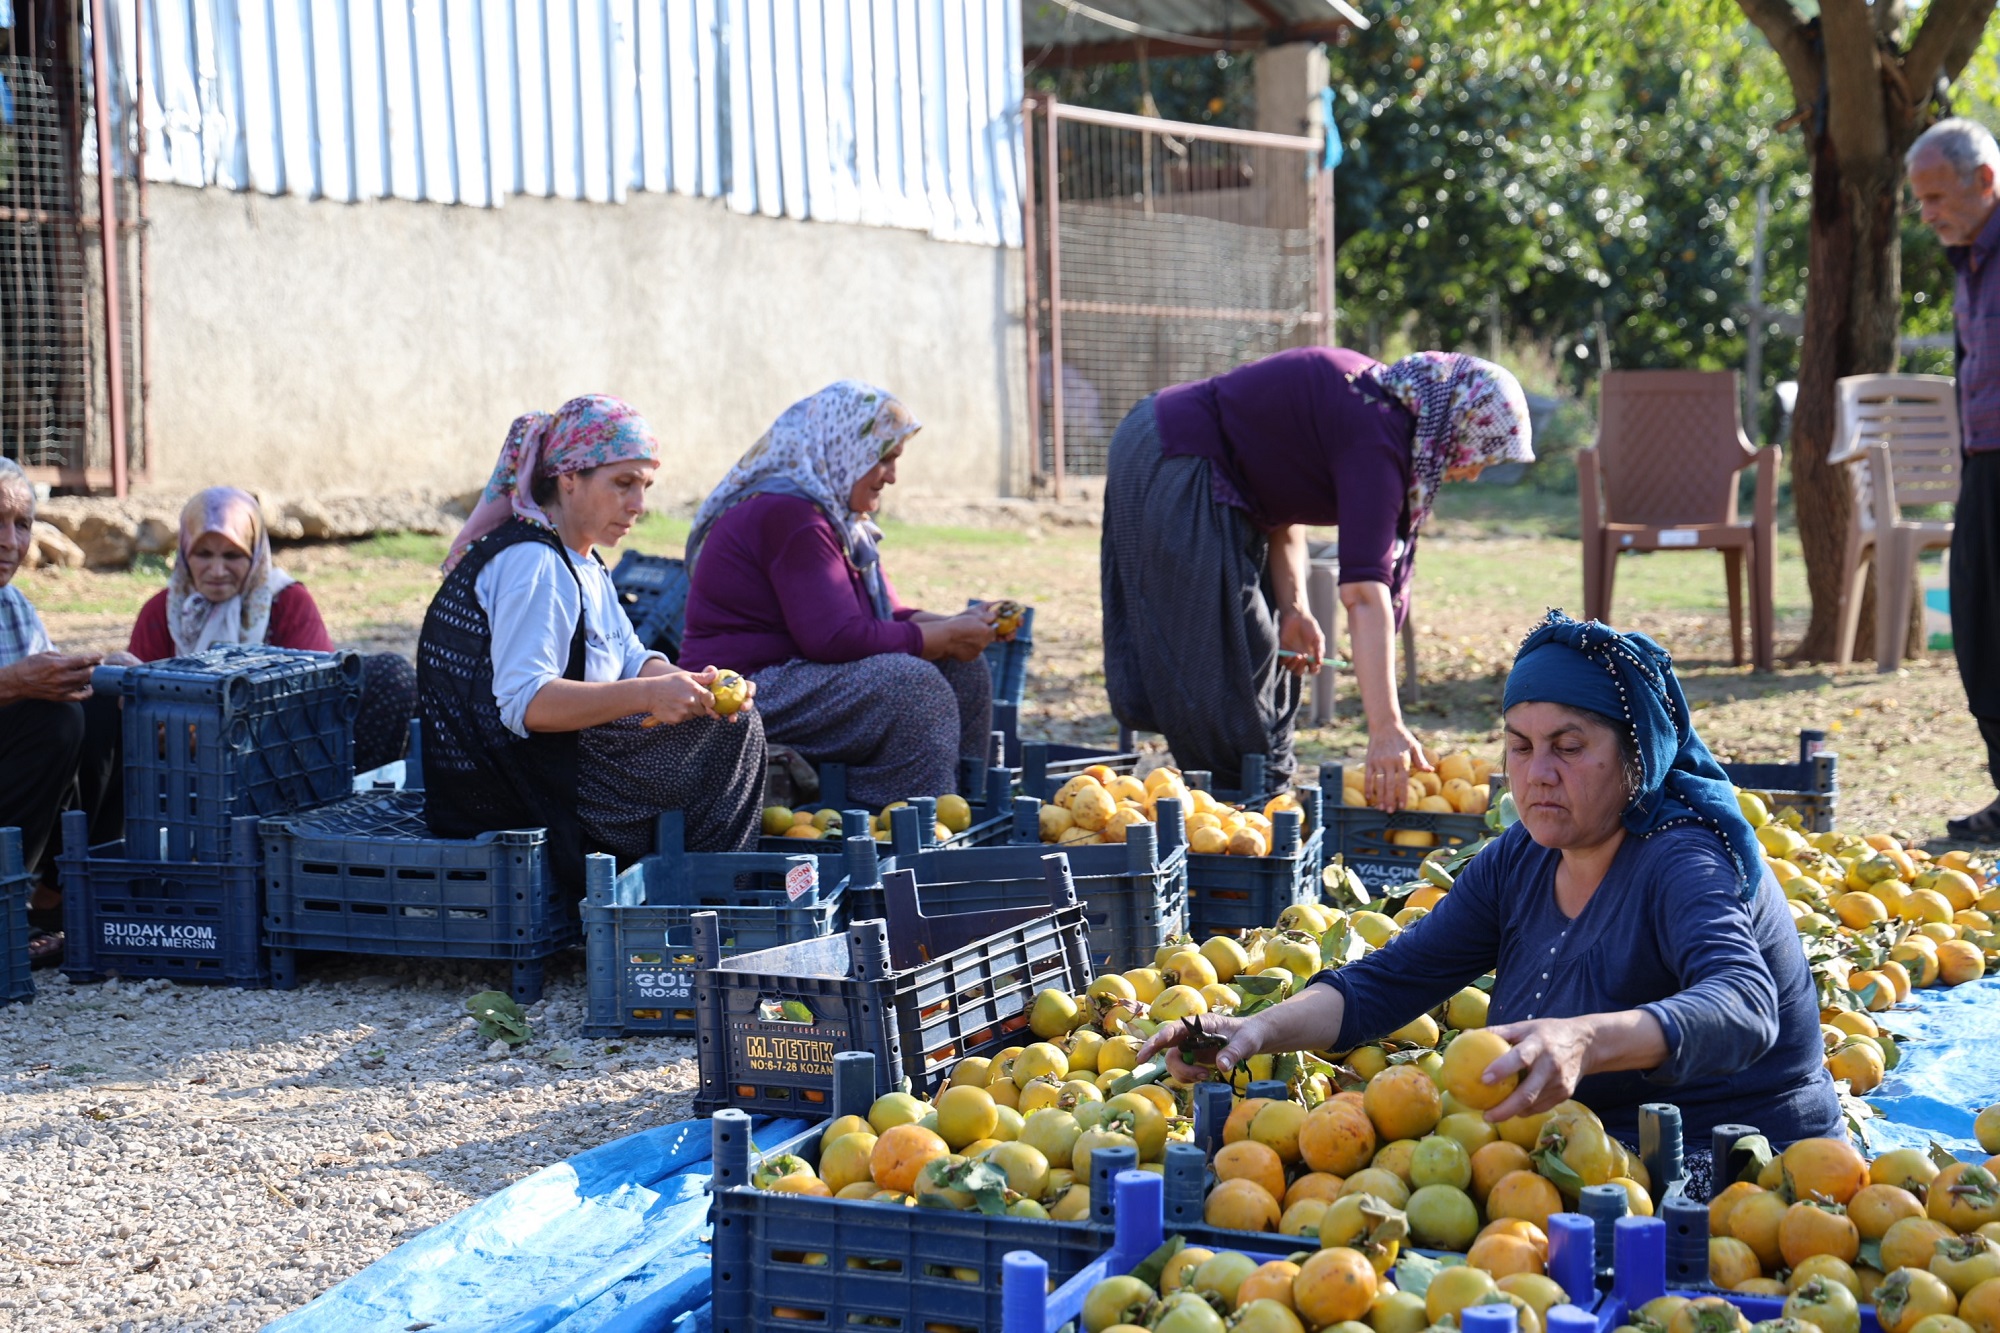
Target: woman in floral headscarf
<point>224,589</point>
<point>1211,486</point>
<point>541,706</point>
<point>788,584</point>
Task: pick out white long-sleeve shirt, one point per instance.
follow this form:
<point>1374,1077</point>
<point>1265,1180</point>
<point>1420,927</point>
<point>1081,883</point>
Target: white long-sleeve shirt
<point>532,604</point>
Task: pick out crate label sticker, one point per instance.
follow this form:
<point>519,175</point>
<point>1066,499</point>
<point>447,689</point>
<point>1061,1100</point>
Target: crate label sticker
<point>659,983</point>
<point>176,937</point>
<point>786,1048</point>
<point>1679,536</point>
<point>801,879</point>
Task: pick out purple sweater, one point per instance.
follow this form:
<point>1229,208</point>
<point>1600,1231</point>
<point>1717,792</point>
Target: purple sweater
<point>1299,438</point>
<point>773,583</point>
<point>1977,314</point>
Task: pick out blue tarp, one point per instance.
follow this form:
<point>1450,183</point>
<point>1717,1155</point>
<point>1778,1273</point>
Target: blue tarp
<point>1949,1072</point>
<point>611,1241</point>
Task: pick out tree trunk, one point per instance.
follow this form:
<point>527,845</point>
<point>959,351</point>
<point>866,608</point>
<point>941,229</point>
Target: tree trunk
<point>1853,312</point>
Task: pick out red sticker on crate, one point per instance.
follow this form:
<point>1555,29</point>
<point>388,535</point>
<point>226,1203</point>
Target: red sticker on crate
<point>801,879</point>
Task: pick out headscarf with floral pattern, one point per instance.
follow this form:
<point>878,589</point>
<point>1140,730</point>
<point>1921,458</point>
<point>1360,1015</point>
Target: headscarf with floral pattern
<point>816,451</point>
<point>583,433</point>
<point>195,622</point>
<point>1468,412</point>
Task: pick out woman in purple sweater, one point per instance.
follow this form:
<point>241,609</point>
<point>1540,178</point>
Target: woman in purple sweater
<point>1211,487</point>
<point>788,588</point>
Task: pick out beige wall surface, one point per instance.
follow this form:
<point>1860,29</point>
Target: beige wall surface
<point>305,347</point>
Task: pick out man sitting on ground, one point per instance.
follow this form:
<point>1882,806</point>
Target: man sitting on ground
<point>58,741</point>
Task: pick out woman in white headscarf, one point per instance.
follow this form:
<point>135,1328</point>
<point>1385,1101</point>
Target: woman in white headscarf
<point>224,589</point>
<point>787,585</point>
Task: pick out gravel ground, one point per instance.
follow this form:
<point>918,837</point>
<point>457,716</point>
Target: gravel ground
<point>180,1157</point>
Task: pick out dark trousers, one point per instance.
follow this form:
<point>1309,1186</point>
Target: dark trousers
<point>1975,596</point>
<point>56,757</point>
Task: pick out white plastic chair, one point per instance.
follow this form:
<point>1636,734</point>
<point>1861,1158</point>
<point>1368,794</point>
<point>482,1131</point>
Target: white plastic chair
<point>1898,437</point>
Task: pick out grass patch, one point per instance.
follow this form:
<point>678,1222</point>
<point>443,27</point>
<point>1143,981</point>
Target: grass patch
<point>423,547</point>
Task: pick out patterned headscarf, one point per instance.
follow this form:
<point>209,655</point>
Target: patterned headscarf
<point>583,433</point>
<point>195,622</point>
<point>1630,679</point>
<point>1468,411</point>
<point>816,451</point>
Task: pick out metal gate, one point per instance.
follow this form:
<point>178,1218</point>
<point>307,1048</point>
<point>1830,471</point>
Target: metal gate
<point>1160,252</point>
<point>72,349</point>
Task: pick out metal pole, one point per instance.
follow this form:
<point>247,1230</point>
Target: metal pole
<point>1753,343</point>
<point>1054,184</point>
<point>107,208</point>
<point>1033,308</point>
<point>145,339</point>
<point>1323,199</point>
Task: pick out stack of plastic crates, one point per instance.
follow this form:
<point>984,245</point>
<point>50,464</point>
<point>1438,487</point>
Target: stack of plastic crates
<point>211,743</point>
<point>653,589</point>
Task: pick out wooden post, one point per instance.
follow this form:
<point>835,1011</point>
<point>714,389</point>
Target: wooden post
<point>107,208</point>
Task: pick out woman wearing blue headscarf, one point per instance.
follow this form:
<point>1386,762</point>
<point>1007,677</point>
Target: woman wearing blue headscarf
<point>1640,950</point>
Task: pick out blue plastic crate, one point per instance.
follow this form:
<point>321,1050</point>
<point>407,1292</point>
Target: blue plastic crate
<point>235,731</point>
<point>17,982</point>
<point>653,589</point>
<point>366,875</point>
<point>184,920</point>
<point>1141,1221</point>
<point>992,817</point>
<point>844,1263</point>
<point>1359,835</point>
<point>1134,894</point>
<point>639,933</point>
<point>1811,786</point>
<point>1232,894</point>
<point>920,992</point>
<point>1007,659</point>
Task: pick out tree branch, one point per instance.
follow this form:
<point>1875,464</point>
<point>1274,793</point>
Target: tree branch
<point>1854,119</point>
<point>1890,16</point>
<point>1785,28</point>
<point>1949,36</point>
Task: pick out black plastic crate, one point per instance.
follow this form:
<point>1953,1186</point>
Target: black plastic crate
<point>653,589</point>
<point>783,1261</point>
<point>17,982</point>
<point>1811,786</point>
<point>1046,765</point>
<point>639,932</point>
<point>235,731</point>
<point>1359,835</point>
<point>184,920</point>
<point>366,875</point>
<point>919,992</point>
<point>1232,894</point>
<point>992,816</point>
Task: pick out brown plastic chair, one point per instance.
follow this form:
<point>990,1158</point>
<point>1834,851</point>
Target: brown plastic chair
<point>1662,477</point>
<point>1898,436</point>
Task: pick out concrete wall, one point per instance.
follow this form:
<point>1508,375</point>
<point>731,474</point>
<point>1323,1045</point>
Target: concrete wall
<point>312,346</point>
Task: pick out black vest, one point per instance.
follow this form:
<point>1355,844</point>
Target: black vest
<point>478,775</point>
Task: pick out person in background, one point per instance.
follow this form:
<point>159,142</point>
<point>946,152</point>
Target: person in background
<point>541,707</point>
<point>787,583</point>
<point>1952,168</point>
<point>224,589</point>
<point>1209,490</point>
<point>59,740</point>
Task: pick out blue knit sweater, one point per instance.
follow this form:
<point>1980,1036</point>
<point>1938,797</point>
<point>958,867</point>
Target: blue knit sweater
<point>1668,932</point>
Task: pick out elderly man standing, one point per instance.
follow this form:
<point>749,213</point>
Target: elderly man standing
<point>58,741</point>
<point>1952,168</point>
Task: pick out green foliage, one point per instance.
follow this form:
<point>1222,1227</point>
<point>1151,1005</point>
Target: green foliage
<point>1485,162</point>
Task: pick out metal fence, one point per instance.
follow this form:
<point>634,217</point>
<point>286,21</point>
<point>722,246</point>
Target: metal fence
<point>72,407</point>
<point>1160,252</point>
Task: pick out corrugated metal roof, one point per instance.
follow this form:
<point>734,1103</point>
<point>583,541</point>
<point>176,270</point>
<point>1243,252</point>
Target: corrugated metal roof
<point>900,113</point>
<point>1083,22</point>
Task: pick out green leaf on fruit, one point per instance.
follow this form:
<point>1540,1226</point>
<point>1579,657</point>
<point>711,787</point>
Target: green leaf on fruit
<point>1149,1269</point>
<point>1414,1271</point>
